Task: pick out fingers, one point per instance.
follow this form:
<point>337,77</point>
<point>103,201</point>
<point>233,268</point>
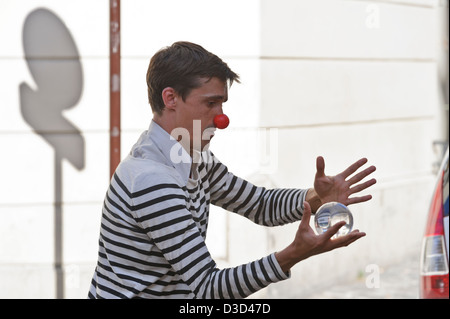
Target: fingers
<point>345,240</point>
<point>333,230</point>
<point>320,165</point>
<point>360,199</point>
<point>361,175</point>
<point>359,188</point>
<point>349,238</point>
<point>354,167</point>
<point>363,186</point>
<point>356,179</point>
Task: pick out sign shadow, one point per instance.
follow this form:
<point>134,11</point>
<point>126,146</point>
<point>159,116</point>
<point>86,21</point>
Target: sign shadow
<point>54,63</point>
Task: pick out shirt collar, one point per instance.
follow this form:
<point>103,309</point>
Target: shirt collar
<point>173,152</point>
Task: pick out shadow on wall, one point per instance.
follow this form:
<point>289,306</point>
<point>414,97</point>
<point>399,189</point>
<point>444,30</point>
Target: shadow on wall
<point>53,60</point>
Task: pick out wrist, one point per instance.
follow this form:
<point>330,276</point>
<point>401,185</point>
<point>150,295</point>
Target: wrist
<point>285,259</point>
<point>290,256</point>
<point>313,199</point>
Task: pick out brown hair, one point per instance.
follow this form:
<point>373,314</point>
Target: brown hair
<point>180,67</point>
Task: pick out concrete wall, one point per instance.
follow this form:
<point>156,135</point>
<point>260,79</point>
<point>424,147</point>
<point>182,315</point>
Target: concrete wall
<point>338,78</point>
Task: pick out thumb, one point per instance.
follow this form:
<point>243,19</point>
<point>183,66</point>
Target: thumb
<point>320,166</point>
<point>306,213</point>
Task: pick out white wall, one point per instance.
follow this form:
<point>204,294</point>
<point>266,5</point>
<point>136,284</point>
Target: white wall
<point>337,78</point>
<point>28,166</point>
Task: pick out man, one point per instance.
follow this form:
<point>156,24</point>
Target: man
<point>155,214</point>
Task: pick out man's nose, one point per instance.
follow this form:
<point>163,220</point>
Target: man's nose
<point>221,121</point>
<point>219,110</point>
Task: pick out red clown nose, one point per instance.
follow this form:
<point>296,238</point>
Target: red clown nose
<point>221,121</point>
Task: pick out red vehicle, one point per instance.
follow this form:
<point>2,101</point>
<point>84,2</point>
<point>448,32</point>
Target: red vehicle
<point>435,249</point>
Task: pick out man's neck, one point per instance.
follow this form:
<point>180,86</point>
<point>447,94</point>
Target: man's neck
<point>167,125</point>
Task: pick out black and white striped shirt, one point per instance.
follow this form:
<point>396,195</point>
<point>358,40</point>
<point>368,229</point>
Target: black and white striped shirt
<point>154,223</point>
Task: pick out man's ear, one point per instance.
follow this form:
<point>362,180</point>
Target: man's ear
<point>170,98</point>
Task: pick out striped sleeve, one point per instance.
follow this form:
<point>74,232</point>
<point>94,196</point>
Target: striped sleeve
<point>171,227</point>
<point>268,207</point>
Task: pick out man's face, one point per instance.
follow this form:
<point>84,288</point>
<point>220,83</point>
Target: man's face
<point>197,113</point>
